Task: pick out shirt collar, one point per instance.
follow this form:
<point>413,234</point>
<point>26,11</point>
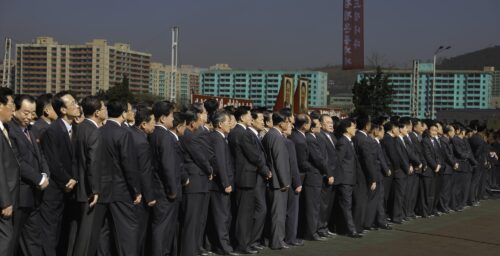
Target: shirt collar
<point>349,139</point>
<point>114,121</point>
<point>222,134</point>
<point>254,131</point>
<point>68,126</point>
<point>303,134</point>
<point>242,125</point>
<point>277,130</point>
<point>92,122</point>
<point>363,132</point>
<point>1,126</point>
<point>175,135</point>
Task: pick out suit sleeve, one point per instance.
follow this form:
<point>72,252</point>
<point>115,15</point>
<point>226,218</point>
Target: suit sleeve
<point>146,173</point>
<point>281,161</point>
<point>51,146</point>
<point>319,157</point>
<point>5,199</point>
<point>94,154</point>
<point>128,157</point>
<point>401,149</point>
<point>201,153</point>
<point>219,161</point>
<point>428,154</point>
<point>166,173</point>
<point>366,154</point>
<point>26,168</point>
<point>252,153</point>
<point>294,169</point>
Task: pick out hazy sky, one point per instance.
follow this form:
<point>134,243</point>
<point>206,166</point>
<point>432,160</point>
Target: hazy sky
<point>258,33</point>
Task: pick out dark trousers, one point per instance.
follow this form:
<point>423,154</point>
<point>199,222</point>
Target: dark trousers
<point>462,188</point>
<point>27,232</point>
<point>474,187</point>
<point>218,227</point>
<point>375,211</point>
<point>204,243</point>
<point>259,215</point>
<point>326,208</point>
<point>245,208</point>
<point>292,217</point>
<point>52,213</point>
<point>399,188</point>
<point>411,194</point>
<point>88,229</point>
<point>425,195</point>
<point>278,200</point>
<point>192,205</point>
<point>164,226</point>
<point>445,194</point>
<point>345,203</point>
<point>122,228</point>
<point>360,199</point>
<point>144,231</point>
<point>312,197</point>
<point>6,236</point>
<point>387,183</point>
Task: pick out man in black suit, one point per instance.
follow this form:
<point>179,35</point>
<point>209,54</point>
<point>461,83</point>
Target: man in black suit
<point>451,165</point>
<point>367,179</point>
<point>58,205</point>
<point>464,173</point>
<point>45,113</point>
<point>9,175</point>
<point>415,137</point>
<point>167,163</point>
<point>34,178</point>
<point>255,131</point>
<point>479,149</point>
<point>435,161</point>
<point>378,217</point>
<point>387,143</point>
<point>278,161</point>
<point>327,142</point>
<point>292,211</point>
<point>250,165</point>
<point>348,168</point>
<point>408,162</point>
<point>199,171</point>
<point>120,182</point>
<point>221,186</point>
<point>86,139</point>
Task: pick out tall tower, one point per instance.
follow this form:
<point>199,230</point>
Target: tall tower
<point>6,63</point>
<point>173,74</point>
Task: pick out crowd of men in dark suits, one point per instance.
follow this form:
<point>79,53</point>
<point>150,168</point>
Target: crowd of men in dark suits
<point>95,177</point>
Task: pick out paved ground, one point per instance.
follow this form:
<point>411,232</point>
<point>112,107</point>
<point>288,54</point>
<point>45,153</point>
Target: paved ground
<point>475,231</point>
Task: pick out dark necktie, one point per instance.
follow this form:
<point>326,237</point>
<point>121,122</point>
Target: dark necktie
<point>27,134</point>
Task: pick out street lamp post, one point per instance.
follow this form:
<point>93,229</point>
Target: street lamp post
<point>440,49</point>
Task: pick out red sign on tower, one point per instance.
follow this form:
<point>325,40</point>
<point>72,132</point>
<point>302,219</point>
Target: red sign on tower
<point>353,42</point>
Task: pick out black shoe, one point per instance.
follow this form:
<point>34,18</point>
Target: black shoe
<point>257,247</point>
<point>297,242</point>
<point>331,234</point>
<point>355,235</point>
<point>386,227</point>
<point>248,251</point>
<point>232,253</point>
<point>371,229</point>
<point>317,237</point>
<point>397,222</point>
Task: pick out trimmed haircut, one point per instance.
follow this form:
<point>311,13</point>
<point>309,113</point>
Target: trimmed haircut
<point>58,103</point>
<point>143,114</point>
<point>278,117</point>
<point>18,100</point>
<point>90,105</point>
<point>41,102</point>
<point>218,117</point>
<point>162,108</point>
<point>116,108</point>
<point>240,111</point>
<point>301,120</point>
<point>4,92</point>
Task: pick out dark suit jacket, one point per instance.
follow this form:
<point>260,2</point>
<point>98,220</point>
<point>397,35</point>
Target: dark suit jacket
<point>9,173</point>
<point>167,162</point>
<point>411,149</point>
<point>88,160</point>
<point>294,167</point>
<point>419,151</point>
<point>327,146</point>
<point>479,149</point>
<point>248,155</point>
<point>278,159</point>
<point>319,159</point>
<point>348,161</point>
<point>120,178</point>
<point>313,176</point>
<point>32,165</point>
<point>196,161</point>
<point>383,162</point>
<point>462,154</point>
<point>367,155</point>
<point>221,162</point>
<point>447,152</point>
<point>432,153</point>
<point>144,162</point>
<point>404,157</point>
<point>58,150</point>
<point>39,128</point>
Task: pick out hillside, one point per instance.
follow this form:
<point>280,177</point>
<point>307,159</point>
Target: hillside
<point>474,60</point>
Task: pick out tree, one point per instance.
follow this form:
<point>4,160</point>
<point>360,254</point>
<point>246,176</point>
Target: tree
<point>372,95</point>
<point>119,91</point>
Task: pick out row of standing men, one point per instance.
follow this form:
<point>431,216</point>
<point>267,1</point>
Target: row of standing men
<point>101,178</point>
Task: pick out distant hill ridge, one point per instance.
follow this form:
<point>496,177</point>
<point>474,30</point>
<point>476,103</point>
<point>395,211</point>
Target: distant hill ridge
<point>474,60</point>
